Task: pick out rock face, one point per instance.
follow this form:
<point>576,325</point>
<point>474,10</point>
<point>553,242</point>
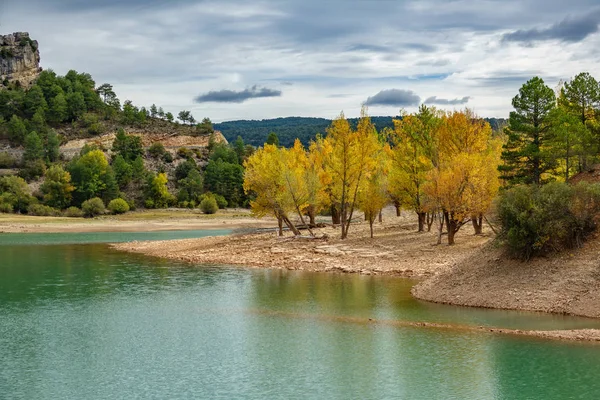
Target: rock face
<point>19,59</point>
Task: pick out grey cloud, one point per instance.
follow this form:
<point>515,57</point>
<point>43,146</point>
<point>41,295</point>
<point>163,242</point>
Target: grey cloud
<point>568,30</point>
<point>393,48</point>
<point>434,63</point>
<point>419,46</point>
<point>369,48</point>
<point>231,96</point>
<point>453,102</point>
<point>394,97</point>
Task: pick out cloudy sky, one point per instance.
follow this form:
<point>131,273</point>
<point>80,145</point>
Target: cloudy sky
<point>236,59</point>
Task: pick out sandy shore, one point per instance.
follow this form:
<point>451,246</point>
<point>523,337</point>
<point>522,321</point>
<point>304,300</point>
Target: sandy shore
<point>397,249</point>
<point>144,221</point>
<point>567,283</point>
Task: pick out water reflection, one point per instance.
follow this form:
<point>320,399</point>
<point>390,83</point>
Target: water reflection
<point>82,321</point>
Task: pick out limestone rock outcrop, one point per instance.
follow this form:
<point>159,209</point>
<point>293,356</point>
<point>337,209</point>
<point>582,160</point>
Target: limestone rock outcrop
<point>19,59</point>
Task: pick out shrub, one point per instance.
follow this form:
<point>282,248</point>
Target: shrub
<point>184,152</point>
<point>221,202</point>
<point>167,157</point>
<point>89,119</point>
<point>209,205</point>
<point>157,150</point>
<point>539,220</point>
<point>73,212</point>
<point>92,207</point>
<point>198,153</point>
<point>15,192</point>
<point>6,208</point>
<point>118,206</point>
<point>42,210</point>
<point>96,129</point>
<point>6,160</point>
<point>33,170</point>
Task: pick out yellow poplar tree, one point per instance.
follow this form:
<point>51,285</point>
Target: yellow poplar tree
<point>412,157</point>
<point>465,180</point>
<point>264,176</point>
<point>296,179</point>
<point>373,195</point>
<point>349,163</point>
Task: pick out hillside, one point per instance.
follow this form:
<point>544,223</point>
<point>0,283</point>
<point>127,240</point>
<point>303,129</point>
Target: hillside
<point>70,147</point>
<point>255,132</point>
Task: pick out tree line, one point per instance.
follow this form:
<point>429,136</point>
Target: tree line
<point>289,129</point>
<point>450,168</point>
<point>435,163</point>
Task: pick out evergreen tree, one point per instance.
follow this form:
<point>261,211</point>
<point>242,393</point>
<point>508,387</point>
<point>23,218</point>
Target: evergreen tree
<point>240,149</point>
<point>524,154</point>
<point>128,146</point>
<point>205,127</point>
<point>58,110</point>
<point>580,98</point>
<point>191,187</point>
<point>34,101</point>
<point>52,146</point>
<point>16,130</point>
<point>34,147</point>
<point>123,171</point>
<point>153,111</point>
<point>38,122</point>
<point>272,139</point>
<point>75,105</point>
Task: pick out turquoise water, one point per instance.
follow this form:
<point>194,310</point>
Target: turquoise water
<point>81,321</point>
<point>102,237</point>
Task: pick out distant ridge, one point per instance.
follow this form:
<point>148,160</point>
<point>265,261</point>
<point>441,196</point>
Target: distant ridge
<point>255,132</point>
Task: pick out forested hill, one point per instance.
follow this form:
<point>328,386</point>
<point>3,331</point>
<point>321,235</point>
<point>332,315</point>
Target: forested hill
<point>255,132</point>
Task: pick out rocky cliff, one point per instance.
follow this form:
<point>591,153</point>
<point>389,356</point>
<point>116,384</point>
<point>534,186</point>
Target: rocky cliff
<point>19,59</point>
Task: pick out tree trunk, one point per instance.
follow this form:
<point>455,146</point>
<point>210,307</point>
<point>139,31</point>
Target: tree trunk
<point>422,220</point>
<point>291,225</point>
<point>381,216</point>
<point>335,215</point>
<point>477,221</point>
<point>371,220</point>
<point>280,224</point>
<point>303,222</point>
<point>311,217</point>
<point>343,218</point>
<point>440,228</point>
<point>451,226</point>
<point>398,209</point>
<point>430,220</point>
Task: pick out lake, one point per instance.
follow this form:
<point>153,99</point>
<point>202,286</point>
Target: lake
<point>81,321</point>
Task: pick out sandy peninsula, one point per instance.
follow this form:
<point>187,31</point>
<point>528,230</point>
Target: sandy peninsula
<point>138,221</point>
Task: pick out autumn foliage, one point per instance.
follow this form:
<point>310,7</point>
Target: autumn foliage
<point>434,163</point>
